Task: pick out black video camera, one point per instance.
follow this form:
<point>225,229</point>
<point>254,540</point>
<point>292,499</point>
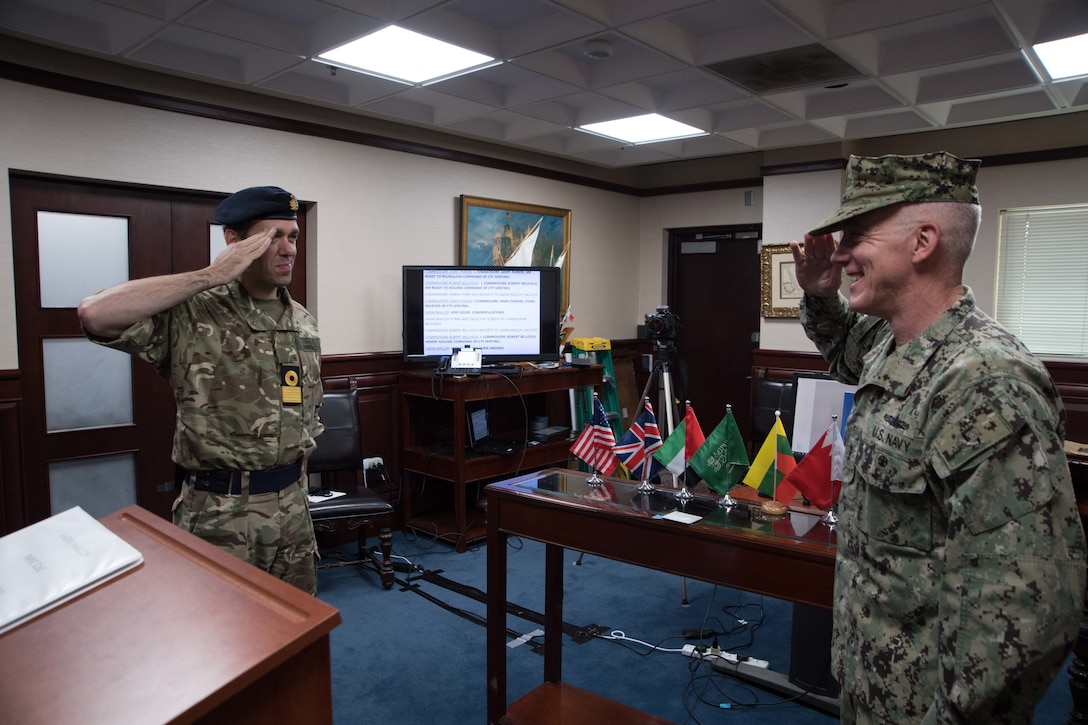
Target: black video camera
<point>662,325</point>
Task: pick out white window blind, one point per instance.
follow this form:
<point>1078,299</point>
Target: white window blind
<point>1042,278</point>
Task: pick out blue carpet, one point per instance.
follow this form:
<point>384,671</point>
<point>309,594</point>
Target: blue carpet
<point>399,658</point>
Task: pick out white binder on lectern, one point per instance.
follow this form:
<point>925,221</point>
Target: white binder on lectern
<point>46,564</point>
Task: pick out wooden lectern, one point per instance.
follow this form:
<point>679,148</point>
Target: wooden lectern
<point>191,634</point>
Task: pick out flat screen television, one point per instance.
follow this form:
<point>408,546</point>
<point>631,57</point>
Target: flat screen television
<point>509,314</point>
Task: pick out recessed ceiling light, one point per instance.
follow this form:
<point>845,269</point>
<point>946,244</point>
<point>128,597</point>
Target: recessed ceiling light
<point>643,129</point>
<point>406,56</point>
<point>1064,58</point>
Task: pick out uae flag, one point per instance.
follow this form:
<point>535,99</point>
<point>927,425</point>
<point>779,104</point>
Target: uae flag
<point>679,447</point>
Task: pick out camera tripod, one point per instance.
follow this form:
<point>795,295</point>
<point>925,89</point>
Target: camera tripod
<point>663,327</point>
<point>664,352</point>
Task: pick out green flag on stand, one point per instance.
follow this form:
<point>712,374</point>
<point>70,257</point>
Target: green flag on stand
<point>722,460</point>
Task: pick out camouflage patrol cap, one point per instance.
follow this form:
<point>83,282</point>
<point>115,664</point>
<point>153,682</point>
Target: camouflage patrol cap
<point>256,202</point>
<point>874,182</point>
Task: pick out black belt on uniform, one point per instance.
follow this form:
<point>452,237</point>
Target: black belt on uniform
<point>230,482</point>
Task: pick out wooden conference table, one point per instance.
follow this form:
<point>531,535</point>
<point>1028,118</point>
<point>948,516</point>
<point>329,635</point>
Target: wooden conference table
<point>790,557</point>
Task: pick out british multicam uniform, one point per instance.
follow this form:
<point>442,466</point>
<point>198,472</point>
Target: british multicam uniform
<point>248,389</point>
<point>960,575</point>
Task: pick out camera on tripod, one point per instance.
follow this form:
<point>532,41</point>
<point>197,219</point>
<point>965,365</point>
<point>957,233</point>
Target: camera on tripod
<point>662,326</point>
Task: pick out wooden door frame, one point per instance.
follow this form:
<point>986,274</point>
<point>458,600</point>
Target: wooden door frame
<point>710,232</point>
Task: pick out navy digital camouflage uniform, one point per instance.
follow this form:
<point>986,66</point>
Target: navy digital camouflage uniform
<point>223,357</point>
<point>960,574</point>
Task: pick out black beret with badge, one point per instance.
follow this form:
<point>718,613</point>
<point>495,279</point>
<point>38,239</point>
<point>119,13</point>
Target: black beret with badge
<point>256,202</point>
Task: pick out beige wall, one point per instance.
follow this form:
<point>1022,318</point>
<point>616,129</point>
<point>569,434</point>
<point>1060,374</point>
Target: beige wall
<point>676,211</point>
<point>377,210</point>
<point>795,203</point>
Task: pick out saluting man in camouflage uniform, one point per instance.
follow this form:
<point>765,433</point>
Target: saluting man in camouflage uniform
<point>960,574</point>
<point>244,361</point>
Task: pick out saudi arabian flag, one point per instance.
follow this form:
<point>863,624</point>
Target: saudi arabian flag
<point>721,461</point>
<point>773,461</point>
<point>671,453</point>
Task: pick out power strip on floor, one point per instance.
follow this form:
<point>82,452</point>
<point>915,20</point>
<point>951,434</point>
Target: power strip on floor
<point>712,653</point>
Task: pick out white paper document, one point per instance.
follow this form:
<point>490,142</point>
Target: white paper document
<point>47,563</point>
<point>325,496</point>
<point>682,517</point>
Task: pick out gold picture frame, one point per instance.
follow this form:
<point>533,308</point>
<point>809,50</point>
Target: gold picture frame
<point>780,295</point>
<point>495,233</point>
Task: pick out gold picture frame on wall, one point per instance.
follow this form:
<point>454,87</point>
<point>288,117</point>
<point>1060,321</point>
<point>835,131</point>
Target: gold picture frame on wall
<point>780,295</point>
<point>496,233</point>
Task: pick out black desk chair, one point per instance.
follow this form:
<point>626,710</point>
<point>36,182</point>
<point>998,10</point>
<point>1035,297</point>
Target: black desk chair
<point>770,394</point>
<point>340,449</point>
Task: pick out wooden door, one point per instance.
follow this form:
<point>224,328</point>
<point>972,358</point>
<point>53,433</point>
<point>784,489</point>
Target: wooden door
<point>714,290</point>
<point>97,424</point>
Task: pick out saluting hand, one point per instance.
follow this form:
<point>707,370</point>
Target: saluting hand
<point>816,273</point>
<point>236,258</point>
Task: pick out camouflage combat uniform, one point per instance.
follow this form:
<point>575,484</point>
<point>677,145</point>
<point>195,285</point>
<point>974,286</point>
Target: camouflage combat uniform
<point>224,358</point>
<point>960,574</point>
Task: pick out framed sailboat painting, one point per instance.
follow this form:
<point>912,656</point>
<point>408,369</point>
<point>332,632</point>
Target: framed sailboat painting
<point>496,233</point>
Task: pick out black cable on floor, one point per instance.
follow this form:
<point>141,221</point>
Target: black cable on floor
<point>579,635</point>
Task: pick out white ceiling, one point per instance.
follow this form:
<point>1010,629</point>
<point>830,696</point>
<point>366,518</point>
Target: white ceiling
<point>920,64</point>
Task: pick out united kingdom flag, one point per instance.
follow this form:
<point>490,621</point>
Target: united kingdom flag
<point>639,442</point>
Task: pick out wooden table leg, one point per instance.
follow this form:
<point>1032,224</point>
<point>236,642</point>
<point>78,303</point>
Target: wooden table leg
<point>496,616</point>
<point>553,613</point>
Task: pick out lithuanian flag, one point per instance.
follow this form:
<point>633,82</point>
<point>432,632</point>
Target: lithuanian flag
<point>773,461</point>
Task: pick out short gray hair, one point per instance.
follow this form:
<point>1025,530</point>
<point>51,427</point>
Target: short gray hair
<point>959,228</point>
<point>959,224</point>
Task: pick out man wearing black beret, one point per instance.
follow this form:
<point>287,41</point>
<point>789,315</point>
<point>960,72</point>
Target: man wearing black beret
<point>244,361</point>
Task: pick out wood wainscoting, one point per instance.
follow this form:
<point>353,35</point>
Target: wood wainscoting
<point>12,506</point>
<point>375,375</point>
<point>1070,377</point>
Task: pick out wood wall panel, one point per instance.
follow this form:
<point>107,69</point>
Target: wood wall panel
<point>12,508</point>
<point>12,494</point>
<point>1070,377</point>
<point>784,363</point>
<point>375,376</point>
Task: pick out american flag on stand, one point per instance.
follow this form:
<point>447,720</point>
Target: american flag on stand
<point>639,442</point>
<point>594,444</point>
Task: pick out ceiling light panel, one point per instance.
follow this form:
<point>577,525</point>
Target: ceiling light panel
<point>405,56</point>
<point>1065,58</point>
<point>648,128</point>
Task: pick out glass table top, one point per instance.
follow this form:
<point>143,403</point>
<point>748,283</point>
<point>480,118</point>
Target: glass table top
<point>574,488</point>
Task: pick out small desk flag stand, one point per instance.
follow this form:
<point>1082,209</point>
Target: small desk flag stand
<point>683,494</point>
<point>595,480</point>
<point>644,486</point>
<point>831,517</point>
<point>727,502</point>
<point>775,507</point>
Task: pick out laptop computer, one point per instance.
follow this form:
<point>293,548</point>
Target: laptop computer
<point>480,440</point>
